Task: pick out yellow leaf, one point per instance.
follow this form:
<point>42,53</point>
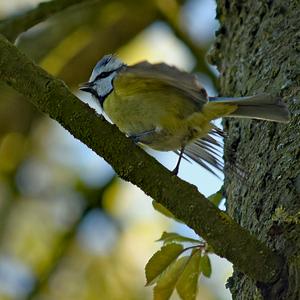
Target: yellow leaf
<point>167,282</point>
<point>187,285</point>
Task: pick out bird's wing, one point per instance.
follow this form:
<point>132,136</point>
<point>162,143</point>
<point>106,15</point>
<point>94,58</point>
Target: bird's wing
<point>169,76</point>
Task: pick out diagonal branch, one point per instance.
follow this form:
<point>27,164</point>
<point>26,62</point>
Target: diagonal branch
<point>52,97</point>
<point>14,26</point>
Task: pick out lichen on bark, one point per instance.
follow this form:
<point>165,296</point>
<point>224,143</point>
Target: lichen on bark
<point>257,50</point>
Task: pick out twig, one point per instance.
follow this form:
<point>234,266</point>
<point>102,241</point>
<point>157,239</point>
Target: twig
<point>15,25</point>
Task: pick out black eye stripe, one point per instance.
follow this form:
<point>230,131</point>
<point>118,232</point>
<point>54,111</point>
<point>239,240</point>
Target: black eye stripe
<point>104,74</point>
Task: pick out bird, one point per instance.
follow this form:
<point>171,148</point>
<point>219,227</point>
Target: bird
<point>168,109</point>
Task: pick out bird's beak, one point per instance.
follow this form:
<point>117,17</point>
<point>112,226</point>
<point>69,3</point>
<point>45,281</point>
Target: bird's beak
<point>86,87</point>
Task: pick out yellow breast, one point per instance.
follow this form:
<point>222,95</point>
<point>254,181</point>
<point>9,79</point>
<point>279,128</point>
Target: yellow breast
<point>144,106</point>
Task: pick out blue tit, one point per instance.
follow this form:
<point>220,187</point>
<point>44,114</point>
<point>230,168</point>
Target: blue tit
<point>168,110</point>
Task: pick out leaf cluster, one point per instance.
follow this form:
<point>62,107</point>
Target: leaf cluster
<point>177,267</point>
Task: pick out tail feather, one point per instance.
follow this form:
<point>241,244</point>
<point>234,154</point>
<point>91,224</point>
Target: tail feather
<point>206,151</point>
<point>262,106</point>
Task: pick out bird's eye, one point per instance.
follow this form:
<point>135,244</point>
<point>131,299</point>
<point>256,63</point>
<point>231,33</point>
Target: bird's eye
<point>103,75</point>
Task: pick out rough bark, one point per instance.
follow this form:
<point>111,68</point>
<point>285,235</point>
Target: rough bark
<point>258,50</point>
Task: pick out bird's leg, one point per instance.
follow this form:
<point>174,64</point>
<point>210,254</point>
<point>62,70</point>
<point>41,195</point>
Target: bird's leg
<point>139,137</point>
<point>175,171</point>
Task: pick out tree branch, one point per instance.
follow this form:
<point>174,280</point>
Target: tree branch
<point>14,26</point>
<point>52,97</point>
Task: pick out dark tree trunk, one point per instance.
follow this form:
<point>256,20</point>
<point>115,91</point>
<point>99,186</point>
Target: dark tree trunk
<point>258,50</point>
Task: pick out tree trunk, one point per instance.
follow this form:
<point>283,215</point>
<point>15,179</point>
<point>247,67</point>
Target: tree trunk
<point>258,50</point>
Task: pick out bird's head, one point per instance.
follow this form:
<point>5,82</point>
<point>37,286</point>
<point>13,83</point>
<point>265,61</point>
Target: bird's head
<point>100,84</point>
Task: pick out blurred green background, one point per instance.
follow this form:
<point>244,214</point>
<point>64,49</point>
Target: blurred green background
<point>69,228</point>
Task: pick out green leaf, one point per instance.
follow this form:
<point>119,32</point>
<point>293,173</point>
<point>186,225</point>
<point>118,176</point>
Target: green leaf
<point>160,208</point>
<point>169,237</point>
<point>205,265</point>
<point>167,282</point>
<point>161,260</point>
<point>187,285</point>
<point>217,197</point>
<point>164,211</point>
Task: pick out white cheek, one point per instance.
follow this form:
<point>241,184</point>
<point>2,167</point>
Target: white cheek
<point>105,86</point>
